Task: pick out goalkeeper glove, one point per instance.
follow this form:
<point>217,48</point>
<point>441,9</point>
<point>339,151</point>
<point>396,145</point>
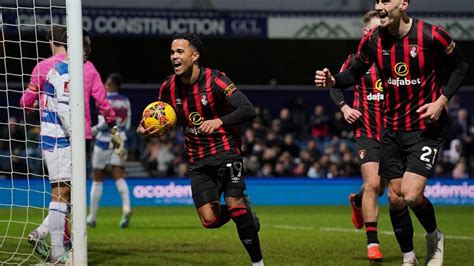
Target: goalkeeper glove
<point>116,140</point>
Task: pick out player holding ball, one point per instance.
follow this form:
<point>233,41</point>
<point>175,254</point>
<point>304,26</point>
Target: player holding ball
<point>209,107</point>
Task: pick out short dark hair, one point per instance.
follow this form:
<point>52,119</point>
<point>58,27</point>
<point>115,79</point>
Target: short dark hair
<point>192,38</point>
<point>369,16</point>
<point>58,35</point>
<point>116,79</point>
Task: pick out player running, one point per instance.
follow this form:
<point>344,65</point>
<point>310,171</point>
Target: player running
<point>104,156</point>
<point>366,117</point>
<point>406,51</point>
<point>209,107</point>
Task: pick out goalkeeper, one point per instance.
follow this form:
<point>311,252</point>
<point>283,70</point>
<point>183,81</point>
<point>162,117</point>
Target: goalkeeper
<point>103,156</point>
<point>49,82</point>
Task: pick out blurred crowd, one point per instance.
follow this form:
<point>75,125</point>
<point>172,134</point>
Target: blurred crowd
<point>294,143</point>
<point>318,144</point>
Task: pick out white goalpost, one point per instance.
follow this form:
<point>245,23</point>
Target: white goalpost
<point>25,191</point>
<point>75,46</point>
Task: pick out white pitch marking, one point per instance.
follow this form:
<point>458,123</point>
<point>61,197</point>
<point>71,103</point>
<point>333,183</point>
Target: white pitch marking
<point>347,230</point>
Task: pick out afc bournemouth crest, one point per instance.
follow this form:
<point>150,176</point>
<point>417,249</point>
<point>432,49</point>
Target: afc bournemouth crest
<point>362,154</point>
<point>204,100</point>
<point>413,48</point>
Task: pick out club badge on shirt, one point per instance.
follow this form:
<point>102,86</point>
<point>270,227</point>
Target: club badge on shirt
<point>204,100</point>
<point>413,50</point>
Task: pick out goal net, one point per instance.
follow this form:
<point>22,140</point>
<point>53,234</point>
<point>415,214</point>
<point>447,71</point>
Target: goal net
<point>25,190</point>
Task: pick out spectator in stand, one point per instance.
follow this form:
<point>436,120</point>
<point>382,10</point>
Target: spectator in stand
<point>258,148</point>
<point>298,117</point>
<point>286,123</point>
<point>287,160</point>
<point>272,139</point>
<point>463,130</point>
<point>259,129</point>
<point>453,107</point>
<point>249,140</point>
<point>263,115</point>
<point>281,169</point>
<point>349,168</point>
<point>290,146</point>
<point>252,165</point>
<point>299,170</point>
<point>312,148</point>
<point>306,158</point>
<point>165,157</point>
<point>319,124</point>
<point>266,171</point>
<point>324,162</point>
<point>453,155</point>
<point>182,170</point>
<point>150,156</point>
<point>460,170</point>
<point>333,171</point>
<point>316,171</point>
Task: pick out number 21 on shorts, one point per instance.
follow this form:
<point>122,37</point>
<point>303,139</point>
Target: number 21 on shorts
<point>427,153</point>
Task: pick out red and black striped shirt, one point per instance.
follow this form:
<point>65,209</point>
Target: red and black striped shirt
<point>368,99</point>
<point>407,68</point>
<point>206,99</point>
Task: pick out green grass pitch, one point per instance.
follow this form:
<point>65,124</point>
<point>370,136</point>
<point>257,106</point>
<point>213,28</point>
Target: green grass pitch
<point>290,235</point>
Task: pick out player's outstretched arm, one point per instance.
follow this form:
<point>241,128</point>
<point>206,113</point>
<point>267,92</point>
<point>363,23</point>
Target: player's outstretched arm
<point>350,114</point>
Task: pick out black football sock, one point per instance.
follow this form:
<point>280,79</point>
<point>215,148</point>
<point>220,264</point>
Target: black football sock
<point>426,215</point>
<point>371,232</point>
<point>403,228</point>
<point>248,233</point>
<point>358,200</point>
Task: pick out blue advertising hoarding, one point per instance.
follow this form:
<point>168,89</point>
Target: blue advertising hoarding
<point>273,191</point>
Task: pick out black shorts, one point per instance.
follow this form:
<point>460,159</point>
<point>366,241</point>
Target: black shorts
<point>209,181</point>
<point>410,151</point>
<point>368,150</point>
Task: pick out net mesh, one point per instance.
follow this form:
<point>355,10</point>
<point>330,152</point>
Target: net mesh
<point>24,185</point>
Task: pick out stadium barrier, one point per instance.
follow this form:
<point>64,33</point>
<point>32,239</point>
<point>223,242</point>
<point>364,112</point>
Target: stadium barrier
<point>268,191</point>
